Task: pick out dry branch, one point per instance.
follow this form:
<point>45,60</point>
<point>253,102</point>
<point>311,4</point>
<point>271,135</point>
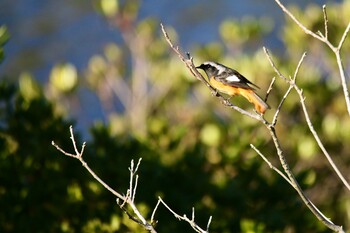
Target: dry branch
<point>324,39</point>
<point>122,200</point>
<point>295,184</point>
<point>185,218</point>
<point>270,127</point>
<point>129,198</point>
<point>192,68</point>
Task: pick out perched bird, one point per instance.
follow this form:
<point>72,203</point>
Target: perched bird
<point>230,82</point>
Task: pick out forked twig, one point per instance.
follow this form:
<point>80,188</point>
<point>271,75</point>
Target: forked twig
<point>324,39</point>
<point>307,116</point>
<point>185,218</point>
<point>269,89</point>
<point>190,65</point>
<point>308,203</point>
<point>271,128</point>
<point>270,164</point>
<point>325,19</point>
<point>129,198</point>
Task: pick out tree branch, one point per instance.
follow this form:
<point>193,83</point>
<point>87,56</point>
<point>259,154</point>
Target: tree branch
<point>192,68</point>
<point>271,128</point>
<point>324,39</point>
<point>295,184</point>
<point>270,164</point>
<point>127,199</point>
<point>306,114</point>
<point>185,218</point>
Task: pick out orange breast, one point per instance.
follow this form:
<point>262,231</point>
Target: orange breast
<point>232,91</point>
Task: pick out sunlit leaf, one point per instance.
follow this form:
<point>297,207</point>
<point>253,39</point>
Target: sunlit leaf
<point>29,88</point>
<point>64,77</point>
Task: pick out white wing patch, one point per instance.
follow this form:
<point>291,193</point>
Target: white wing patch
<point>219,67</point>
<point>232,78</point>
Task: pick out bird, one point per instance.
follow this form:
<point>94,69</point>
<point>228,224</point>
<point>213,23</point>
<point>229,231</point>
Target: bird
<point>231,82</point>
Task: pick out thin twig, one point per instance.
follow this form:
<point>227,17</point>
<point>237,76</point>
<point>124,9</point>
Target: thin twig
<point>79,157</point>
<point>271,129</point>
<point>290,81</point>
<point>343,78</point>
<point>190,65</point>
<point>270,164</point>
<point>269,89</point>
<point>324,39</point>
<point>135,187</point>
<point>131,192</point>
<point>325,18</point>
<point>307,117</point>
<point>297,187</point>
<point>154,212</point>
<point>283,161</point>
<point>208,224</point>
<point>307,31</point>
<point>317,138</point>
<point>185,218</point>
<point>273,65</point>
<point>131,181</point>
<point>345,34</point>
<point>274,119</point>
<point>298,67</point>
<point>73,141</point>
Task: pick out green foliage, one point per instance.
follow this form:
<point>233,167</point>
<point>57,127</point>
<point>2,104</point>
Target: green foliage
<point>51,192</point>
<point>195,151</point>
<point>4,36</point>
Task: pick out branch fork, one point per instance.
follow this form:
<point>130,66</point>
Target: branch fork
<point>129,199</point>
<point>291,81</point>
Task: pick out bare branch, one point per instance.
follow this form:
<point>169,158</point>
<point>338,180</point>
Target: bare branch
<point>154,212</point>
<point>317,138</point>
<point>62,151</point>
<point>129,198</point>
<point>270,127</point>
<point>190,65</point>
<point>345,34</point>
<point>325,18</point>
<point>343,80</point>
<point>298,67</point>
<point>273,64</point>
<point>270,164</point>
<point>324,39</point>
<point>208,224</point>
<point>131,185</point>
<point>274,119</point>
<point>73,141</point>
<point>297,187</point>
<point>290,81</point>
<point>306,114</point>
<point>185,218</point>
<point>307,31</point>
<point>135,187</point>
<point>79,156</point>
<point>283,161</point>
<point>269,89</point>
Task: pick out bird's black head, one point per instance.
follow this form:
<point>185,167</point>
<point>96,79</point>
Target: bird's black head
<point>205,66</point>
<point>210,68</point>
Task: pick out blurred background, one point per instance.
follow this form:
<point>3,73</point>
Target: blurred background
<point>45,34</point>
<point>105,67</point>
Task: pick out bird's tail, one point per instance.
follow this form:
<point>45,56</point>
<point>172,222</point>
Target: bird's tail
<point>260,105</point>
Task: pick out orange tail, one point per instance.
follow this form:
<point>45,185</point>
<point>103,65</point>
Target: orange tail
<point>252,97</point>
